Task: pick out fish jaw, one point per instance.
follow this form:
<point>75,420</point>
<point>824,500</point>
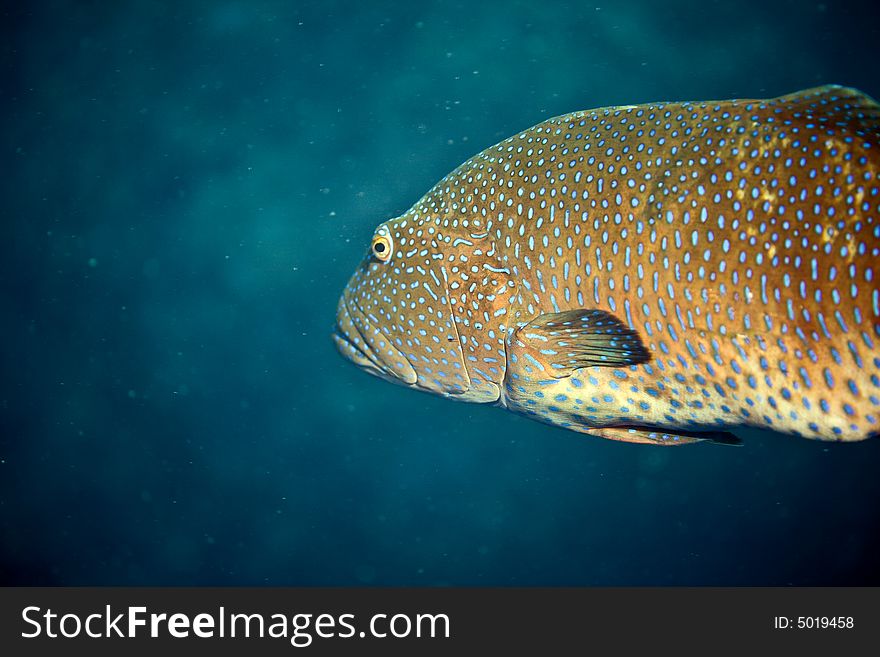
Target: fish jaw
<point>392,365</point>
<point>377,330</point>
<point>358,340</point>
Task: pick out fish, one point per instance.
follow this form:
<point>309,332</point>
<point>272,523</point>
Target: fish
<point>665,273</point>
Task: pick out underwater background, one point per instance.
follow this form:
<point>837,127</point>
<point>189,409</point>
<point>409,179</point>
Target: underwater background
<point>186,188</point>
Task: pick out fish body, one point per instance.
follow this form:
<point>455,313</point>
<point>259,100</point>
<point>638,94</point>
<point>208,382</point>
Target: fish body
<point>658,273</point>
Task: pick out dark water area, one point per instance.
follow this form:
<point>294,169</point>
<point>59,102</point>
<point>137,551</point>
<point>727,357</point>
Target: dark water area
<point>186,188</point>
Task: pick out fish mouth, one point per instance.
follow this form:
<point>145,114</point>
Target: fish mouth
<point>350,349</point>
<point>357,341</point>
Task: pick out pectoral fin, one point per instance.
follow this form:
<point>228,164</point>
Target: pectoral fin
<point>556,344</point>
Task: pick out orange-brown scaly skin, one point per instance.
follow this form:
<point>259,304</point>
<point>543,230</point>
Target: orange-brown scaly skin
<point>739,239</point>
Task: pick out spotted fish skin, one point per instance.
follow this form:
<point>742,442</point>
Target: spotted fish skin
<point>644,273</point>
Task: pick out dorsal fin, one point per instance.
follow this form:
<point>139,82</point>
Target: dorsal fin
<point>842,106</point>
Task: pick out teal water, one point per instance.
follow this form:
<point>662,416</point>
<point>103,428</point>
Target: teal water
<point>186,189</point>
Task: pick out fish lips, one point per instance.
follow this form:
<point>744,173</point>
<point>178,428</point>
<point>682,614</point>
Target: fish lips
<point>355,338</point>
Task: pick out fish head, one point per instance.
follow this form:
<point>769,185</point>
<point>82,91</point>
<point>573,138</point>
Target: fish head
<point>421,306</point>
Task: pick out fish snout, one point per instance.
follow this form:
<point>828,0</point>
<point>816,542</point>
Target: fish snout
<point>359,339</point>
<point>347,339</point>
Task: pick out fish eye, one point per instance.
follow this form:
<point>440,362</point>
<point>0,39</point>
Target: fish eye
<point>381,247</point>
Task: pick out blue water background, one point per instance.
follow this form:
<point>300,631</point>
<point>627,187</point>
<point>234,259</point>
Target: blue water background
<point>186,187</point>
